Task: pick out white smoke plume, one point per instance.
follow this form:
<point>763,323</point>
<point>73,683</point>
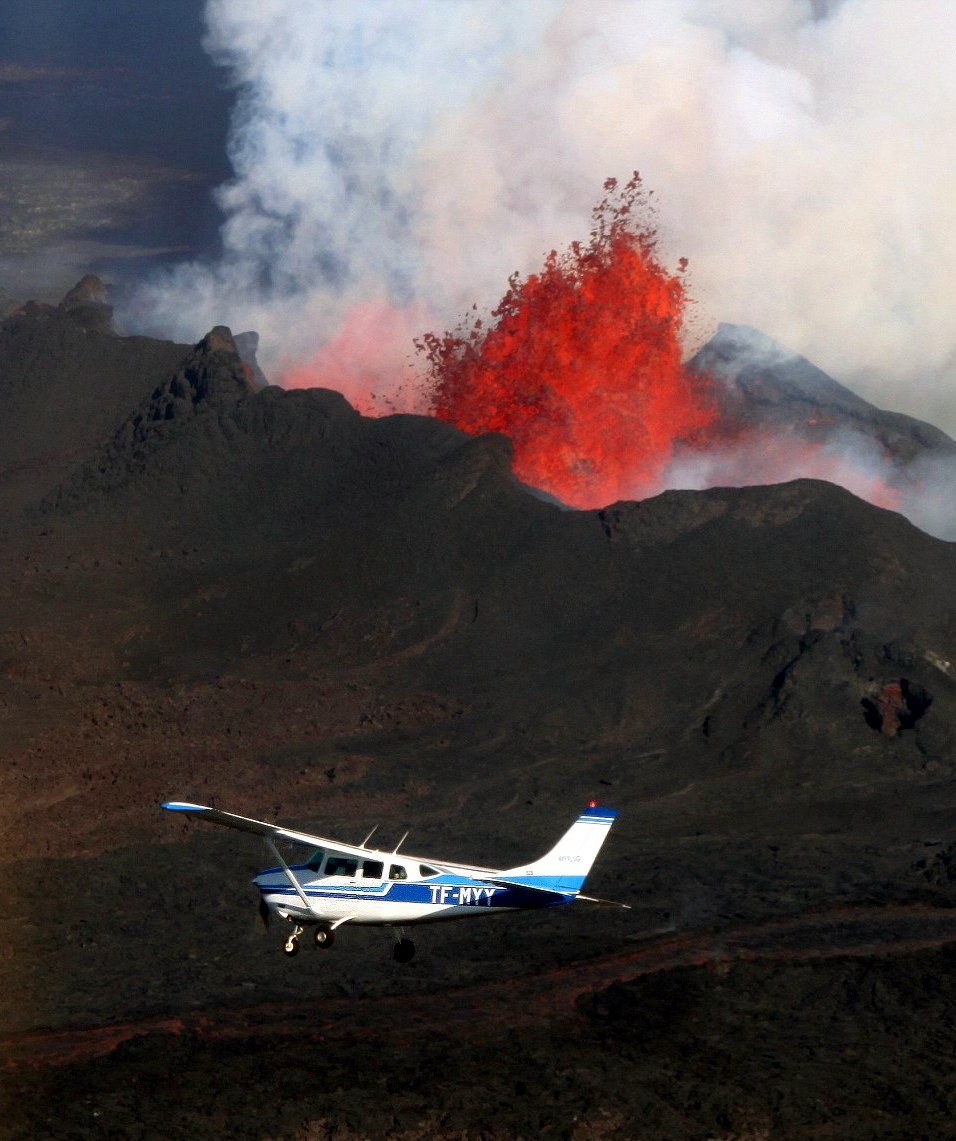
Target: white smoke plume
<point>408,156</point>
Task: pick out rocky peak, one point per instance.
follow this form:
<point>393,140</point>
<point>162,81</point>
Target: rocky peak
<point>763,384</point>
<point>87,304</point>
<point>213,376</point>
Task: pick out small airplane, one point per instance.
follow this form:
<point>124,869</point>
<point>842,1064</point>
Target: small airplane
<point>351,883</point>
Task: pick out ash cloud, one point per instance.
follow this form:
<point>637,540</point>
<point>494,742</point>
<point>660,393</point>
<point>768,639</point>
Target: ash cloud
<point>414,154</point>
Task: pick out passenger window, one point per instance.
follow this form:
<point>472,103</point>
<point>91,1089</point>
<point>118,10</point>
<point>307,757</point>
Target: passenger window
<point>425,871</point>
<point>372,870</point>
<point>340,866</point>
<point>397,872</point>
<point>315,860</point>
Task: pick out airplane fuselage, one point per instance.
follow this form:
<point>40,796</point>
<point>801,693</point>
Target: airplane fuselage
<point>393,901</point>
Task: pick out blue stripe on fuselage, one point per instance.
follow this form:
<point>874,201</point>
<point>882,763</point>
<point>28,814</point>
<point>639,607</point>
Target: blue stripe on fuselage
<point>448,893</point>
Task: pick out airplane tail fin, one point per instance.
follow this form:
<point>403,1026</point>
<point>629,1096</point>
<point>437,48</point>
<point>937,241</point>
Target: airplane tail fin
<point>566,866</point>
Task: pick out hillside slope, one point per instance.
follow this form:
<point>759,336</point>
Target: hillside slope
<point>265,599</point>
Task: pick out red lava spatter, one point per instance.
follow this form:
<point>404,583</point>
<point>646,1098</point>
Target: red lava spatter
<point>479,1013</point>
<point>581,366</point>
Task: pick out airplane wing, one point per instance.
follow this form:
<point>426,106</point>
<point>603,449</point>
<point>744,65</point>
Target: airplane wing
<point>247,824</point>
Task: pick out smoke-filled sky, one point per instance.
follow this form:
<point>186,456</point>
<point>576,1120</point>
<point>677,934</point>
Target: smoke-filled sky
<point>395,162</point>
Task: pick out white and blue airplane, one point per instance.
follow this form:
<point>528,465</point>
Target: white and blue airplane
<point>351,883</point>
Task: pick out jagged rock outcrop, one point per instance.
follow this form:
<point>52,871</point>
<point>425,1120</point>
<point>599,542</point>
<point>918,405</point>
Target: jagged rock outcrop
<point>211,378</point>
<point>762,383</point>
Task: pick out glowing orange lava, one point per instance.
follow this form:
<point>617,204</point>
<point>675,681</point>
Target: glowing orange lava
<point>367,360</point>
<point>581,367</point>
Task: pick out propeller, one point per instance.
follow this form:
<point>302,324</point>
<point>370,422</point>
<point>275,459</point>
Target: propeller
<point>265,912</point>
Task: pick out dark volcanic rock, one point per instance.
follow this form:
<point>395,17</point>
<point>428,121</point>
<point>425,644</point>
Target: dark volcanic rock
<point>87,303</point>
<point>264,598</point>
<point>860,1048</point>
<point>780,417</point>
<point>210,378</point>
<point>763,383</point>
<point>66,383</point>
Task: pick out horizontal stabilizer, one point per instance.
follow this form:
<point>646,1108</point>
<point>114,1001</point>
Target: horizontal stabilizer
<point>603,902</point>
<point>541,893</point>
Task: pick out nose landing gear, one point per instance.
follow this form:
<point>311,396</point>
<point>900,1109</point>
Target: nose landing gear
<point>291,945</point>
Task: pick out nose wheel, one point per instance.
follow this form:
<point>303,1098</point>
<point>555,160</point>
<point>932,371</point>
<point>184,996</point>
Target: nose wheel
<point>404,951</point>
<point>291,945</point>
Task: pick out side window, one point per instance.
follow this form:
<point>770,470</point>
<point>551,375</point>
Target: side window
<point>340,866</point>
<point>372,869</point>
<point>315,860</point>
<point>426,872</point>
<point>397,872</point>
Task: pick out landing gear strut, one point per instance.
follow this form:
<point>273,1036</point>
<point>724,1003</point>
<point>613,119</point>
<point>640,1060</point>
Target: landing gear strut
<point>291,945</point>
<point>404,951</point>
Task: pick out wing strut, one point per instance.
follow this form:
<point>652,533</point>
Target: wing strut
<point>292,880</point>
<point>369,836</point>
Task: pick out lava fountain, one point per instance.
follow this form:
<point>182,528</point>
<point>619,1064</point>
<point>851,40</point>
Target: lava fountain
<point>581,366</point>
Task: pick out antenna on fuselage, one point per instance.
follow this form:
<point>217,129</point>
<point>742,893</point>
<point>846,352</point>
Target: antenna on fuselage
<point>369,836</point>
<point>399,844</point>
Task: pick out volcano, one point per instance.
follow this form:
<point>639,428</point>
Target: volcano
<point>581,366</point>
<point>215,590</point>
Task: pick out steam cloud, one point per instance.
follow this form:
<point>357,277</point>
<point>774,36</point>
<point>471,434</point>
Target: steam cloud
<point>399,160</point>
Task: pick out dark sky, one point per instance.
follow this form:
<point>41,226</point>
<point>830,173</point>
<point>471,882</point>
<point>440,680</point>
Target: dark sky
<point>113,125</point>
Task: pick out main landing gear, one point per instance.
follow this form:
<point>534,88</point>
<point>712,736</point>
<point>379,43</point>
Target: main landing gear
<point>404,951</point>
<point>323,936</point>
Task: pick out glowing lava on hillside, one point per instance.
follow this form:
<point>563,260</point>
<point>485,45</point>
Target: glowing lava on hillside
<point>581,366</point>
